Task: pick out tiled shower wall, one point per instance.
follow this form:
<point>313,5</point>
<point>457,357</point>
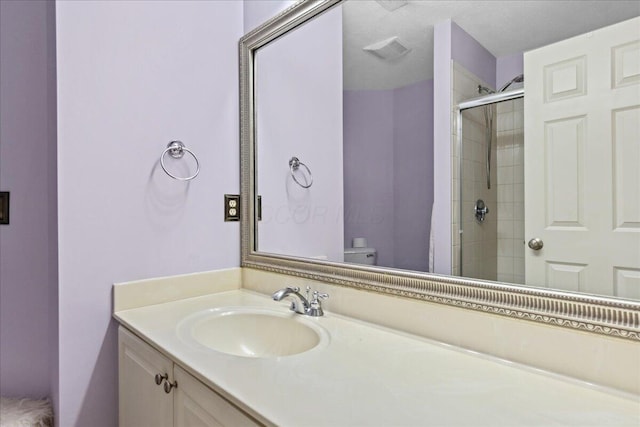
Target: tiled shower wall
<point>510,166</point>
<point>479,240</point>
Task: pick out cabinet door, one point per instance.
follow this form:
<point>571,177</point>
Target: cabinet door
<point>196,405</point>
<point>143,403</point>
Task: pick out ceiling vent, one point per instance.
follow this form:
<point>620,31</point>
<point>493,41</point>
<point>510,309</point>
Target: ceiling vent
<point>388,49</point>
<point>392,5</point>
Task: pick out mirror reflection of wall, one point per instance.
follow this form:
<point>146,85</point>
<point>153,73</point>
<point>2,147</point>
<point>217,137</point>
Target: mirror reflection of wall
<point>297,77</point>
<point>389,161</point>
<point>388,173</point>
<point>367,96</point>
<point>388,132</point>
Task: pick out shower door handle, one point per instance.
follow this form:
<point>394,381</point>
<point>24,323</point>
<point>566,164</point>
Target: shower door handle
<point>536,244</point>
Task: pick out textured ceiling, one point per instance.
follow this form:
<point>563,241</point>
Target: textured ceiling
<point>503,27</point>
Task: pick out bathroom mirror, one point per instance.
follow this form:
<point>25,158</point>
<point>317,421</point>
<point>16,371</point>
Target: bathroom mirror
<point>342,103</point>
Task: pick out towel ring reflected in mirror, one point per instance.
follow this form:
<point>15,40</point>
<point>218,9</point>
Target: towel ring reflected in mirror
<point>294,166</point>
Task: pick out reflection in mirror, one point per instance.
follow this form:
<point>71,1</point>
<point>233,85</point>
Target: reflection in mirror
<point>490,190</point>
<point>495,140</point>
<point>299,114</point>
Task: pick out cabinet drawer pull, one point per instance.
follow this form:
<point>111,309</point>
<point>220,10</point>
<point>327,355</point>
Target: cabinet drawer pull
<point>168,386</point>
<point>159,378</point>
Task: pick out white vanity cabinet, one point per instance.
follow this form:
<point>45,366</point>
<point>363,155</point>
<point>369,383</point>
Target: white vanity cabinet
<point>144,403</point>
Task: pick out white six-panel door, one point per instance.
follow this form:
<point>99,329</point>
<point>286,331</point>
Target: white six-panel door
<point>582,168</point>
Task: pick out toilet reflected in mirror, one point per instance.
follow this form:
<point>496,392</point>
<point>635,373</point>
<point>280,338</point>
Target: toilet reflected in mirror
<point>359,253</point>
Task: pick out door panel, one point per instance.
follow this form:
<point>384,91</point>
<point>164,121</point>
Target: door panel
<point>564,172</point>
<point>626,172</point>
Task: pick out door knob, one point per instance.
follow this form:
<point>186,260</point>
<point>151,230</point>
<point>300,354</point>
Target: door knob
<point>536,244</point>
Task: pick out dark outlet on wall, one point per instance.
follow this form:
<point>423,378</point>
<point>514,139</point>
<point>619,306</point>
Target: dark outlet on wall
<point>4,207</point>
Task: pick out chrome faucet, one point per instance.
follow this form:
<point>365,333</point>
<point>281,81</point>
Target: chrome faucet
<point>310,308</point>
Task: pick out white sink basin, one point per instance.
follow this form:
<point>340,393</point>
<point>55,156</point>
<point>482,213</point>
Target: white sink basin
<point>252,332</point>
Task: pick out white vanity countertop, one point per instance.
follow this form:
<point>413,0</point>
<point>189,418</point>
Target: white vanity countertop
<point>369,375</point>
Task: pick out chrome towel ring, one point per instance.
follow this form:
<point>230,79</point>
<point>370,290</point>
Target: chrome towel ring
<point>176,149</point>
<point>294,165</point>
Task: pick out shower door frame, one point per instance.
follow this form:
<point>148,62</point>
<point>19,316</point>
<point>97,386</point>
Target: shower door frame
<point>491,99</point>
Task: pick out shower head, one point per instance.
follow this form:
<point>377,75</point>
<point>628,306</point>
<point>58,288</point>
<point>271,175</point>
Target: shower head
<point>516,79</point>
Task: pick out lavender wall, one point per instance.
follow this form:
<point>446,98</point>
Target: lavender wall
<point>256,12</point>
<point>131,77</point>
<point>466,51</point>
<point>28,282</point>
<point>368,170</point>
<point>52,183</point>
<point>507,67</point>
<point>296,118</point>
<point>388,167</point>
<point>413,174</point>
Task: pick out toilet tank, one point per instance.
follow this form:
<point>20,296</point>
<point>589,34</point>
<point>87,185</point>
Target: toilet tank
<point>360,255</point>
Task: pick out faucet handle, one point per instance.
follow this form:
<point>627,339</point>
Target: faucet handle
<point>317,295</point>
<point>315,308</point>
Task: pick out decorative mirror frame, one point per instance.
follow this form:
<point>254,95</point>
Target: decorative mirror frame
<point>596,314</point>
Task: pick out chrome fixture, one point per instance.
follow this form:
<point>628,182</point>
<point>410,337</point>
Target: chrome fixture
<point>485,90</point>
<point>488,126</point>
<point>289,291</point>
<point>313,308</point>
<point>294,165</point>
<point>536,244</point>
<point>176,149</point>
<point>480,210</point>
<point>488,118</point>
<point>516,79</point>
